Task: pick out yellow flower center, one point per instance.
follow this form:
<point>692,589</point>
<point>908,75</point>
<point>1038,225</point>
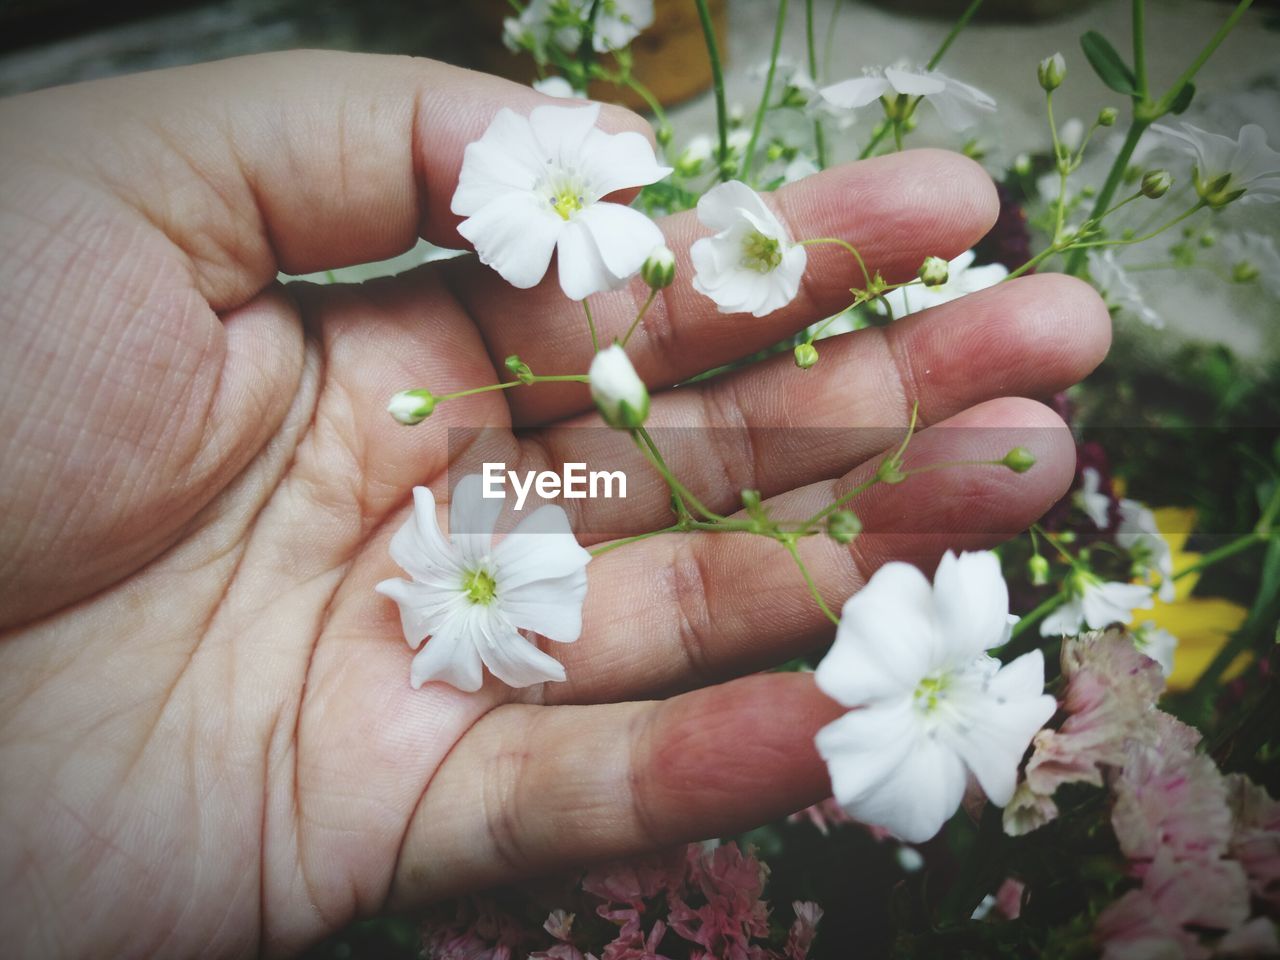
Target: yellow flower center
<point>480,587</point>
<point>761,253</point>
<point>929,692</point>
<point>566,203</point>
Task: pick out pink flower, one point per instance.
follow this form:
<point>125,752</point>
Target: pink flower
<point>1170,799</point>
<point>803,929</point>
<point>1256,839</point>
<point>1210,894</point>
<point>1110,698</point>
<point>1009,898</point>
<point>731,883</point>
<point>634,881</point>
<point>824,815</point>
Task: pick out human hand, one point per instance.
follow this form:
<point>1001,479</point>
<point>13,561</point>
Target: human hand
<point>208,737</point>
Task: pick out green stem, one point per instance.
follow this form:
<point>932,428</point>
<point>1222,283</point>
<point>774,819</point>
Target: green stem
<point>650,450</point>
<point>489,388</point>
<point>1031,264</point>
<point>1123,242</point>
<point>1222,553</point>
<point>819,135</point>
<point>808,579</point>
<point>1043,609</point>
<point>1114,177</point>
<point>866,275</point>
<point>639,316</point>
<point>586,48</point>
<point>1140,48</point>
<point>952,34</point>
<point>1171,95</point>
<point>717,82</point>
<point>614,545</point>
<point>756,127</point>
<point>591,325</point>
<point>645,94</point>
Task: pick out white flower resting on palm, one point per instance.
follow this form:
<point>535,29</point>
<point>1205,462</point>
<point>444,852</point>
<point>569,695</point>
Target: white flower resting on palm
<point>750,265</point>
<point>617,23</point>
<point>1096,604</point>
<point>473,598</point>
<point>932,705</point>
<point>534,185</point>
<point>962,279</point>
<point>1225,170</point>
<point>958,104</point>
<point>1118,290</point>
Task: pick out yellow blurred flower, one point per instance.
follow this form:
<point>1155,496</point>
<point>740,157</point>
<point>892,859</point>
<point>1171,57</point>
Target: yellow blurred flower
<point>1201,624</point>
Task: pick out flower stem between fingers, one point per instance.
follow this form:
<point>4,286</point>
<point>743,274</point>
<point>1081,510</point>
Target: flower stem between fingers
<point>639,316</point>
<point>790,544</point>
<point>866,275</point>
<point>591,325</point>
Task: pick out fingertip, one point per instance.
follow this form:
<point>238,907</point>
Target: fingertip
<point>1071,311</point>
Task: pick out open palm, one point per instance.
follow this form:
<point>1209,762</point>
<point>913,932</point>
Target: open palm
<point>208,741</point>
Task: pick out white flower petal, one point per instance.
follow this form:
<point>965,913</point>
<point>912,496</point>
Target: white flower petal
<point>885,771</point>
<point>541,547</point>
<point>1065,620</point>
<point>562,131</point>
<point>619,161</point>
<point>449,657</point>
<point>1109,603</point>
<point>914,84</point>
<point>624,237</point>
<point>581,265</point>
<point>515,235</point>
<point>422,607</point>
<point>472,517</point>
<point>1000,724</point>
<point>551,608</point>
<point>723,205</point>
<point>885,643</point>
<point>855,92</point>
<point>971,603</point>
<point>506,158</point>
<point>513,659</point>
<point>418,547</point>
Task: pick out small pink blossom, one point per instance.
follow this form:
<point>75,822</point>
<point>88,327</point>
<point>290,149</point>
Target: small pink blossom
<point>825,815</point>
<point>1255,841</point>
<point>803,929</point>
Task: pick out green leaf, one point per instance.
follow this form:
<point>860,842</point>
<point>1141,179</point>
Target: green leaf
<point>1183,99</point>
<point>1106,63</point>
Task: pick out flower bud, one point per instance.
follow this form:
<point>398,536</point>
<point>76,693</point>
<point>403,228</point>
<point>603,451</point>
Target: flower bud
<point>1156,183</point>
<point>663,134</point>
<point>843,526</point>
<point>411,406</point>
<point>620,395</point>
<point>933,272</point>
<point>1244,272</point>
<point>519,368</point>
<point>1108,116</point>
<point>1022,164</point>
<point>1038,570</point>
<point>659,267</point>
<point>806,355</point>
<point>1019,460</point>
<point>1051,72</point>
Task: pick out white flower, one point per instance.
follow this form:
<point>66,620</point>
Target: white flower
<point>1225,169</point>
<point>934,706</point>
<point>962,280</point>
<point>958,104</point>
<point>544,22</point>
<point>1118,290</point>
<point>1091,499</point>
<point>532,185</point>
<point>473,598</point>
<point>618,391</point>
<point>799,168</point>
<point>1158,644</point>
<point>1253,255</point>
<point>1137,532</point>
<point>556,86</point>
<point>1093,603</point>
<point>750,265</point>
